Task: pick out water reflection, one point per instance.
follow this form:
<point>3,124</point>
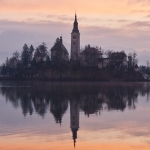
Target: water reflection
<point>40,98</point>
<point>56,98</point>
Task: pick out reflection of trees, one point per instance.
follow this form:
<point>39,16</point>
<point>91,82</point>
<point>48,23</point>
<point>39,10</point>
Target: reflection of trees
<point>145,91</point>
<point>58,105</point>
<point>92,98</point>
<point>91,104</point>
<point>115,98</point>
<point>120,97</point>
<point>33,98</point>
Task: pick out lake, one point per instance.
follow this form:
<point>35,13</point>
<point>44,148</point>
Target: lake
<point>74,115</point>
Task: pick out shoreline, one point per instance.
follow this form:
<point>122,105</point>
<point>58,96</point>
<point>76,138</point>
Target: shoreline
<point>69,80</point>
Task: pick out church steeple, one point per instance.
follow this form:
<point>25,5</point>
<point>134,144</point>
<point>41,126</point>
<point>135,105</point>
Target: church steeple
<point>75,17</point>
<point>75,25</point>
<point>74,136</point>
<point>75,41</point>
<point>74,119</point>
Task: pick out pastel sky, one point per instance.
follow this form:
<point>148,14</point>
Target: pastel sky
<point>117,23</point>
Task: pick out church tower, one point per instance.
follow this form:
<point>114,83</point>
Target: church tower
<point>75,41</point>
<point>74,119</point>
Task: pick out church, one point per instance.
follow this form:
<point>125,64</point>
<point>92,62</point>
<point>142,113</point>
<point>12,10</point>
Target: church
<point>59,49</point>
<point>90,56</point>
<point>75,41</point>
<point>76,54</point>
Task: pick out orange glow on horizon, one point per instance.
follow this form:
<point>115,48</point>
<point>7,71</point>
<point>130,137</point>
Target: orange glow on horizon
<point>92,140</point>
<point>108,9</point>
<point>80,146</point>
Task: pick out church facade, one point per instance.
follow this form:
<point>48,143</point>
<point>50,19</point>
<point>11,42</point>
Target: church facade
<point>75,41</point>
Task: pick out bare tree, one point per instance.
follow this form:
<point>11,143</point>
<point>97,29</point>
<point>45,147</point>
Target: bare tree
<point>108,53</point>
<point>132,60</point>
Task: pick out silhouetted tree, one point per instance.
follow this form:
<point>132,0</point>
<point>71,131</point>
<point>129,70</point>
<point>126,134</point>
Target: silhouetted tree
<point>108,53</point>
<point>43,50</point>
<point>31,50</point>
<point>132,60</point>
<point>25,57</point>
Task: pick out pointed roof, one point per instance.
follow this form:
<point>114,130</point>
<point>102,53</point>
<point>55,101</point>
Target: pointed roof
<point>74,133</point>
<point>75,25</point>
<point>136,66</point>
<point>59,44</point>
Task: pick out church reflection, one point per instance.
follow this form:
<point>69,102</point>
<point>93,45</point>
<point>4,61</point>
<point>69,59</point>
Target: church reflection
<point>41,98</point>
<point>74,119</point>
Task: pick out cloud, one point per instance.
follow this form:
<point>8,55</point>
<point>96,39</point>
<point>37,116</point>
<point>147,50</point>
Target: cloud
<point>141,2</point>
<point>148,16</point>
<point>123,20</point>
<point>61,17</point>
<point>140,24</point>
<point>140,11</point>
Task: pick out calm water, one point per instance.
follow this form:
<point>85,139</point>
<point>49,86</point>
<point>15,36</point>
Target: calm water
<point>68,116</point>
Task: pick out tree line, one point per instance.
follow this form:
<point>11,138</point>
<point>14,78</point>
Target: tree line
<point>26,60</point>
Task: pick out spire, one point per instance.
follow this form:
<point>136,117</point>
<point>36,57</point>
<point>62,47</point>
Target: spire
<point>74,132</point>
<point>61,39</point>
<point>75,26</point>
<point>75,17</point>
<point>74,142</point>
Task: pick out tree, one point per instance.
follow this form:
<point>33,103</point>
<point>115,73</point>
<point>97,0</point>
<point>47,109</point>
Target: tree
<point>91,58</point>
<point>135,59</point>
<point>148,67</point>
<point>48,61</point>
<point>43,50</point>
<point>31,50</point>
<point>16,55</point>
<point>7,62</point>
<point>4,69</point>
<point>132,60</point>
<point>108,53</point>
<point>25,56</point>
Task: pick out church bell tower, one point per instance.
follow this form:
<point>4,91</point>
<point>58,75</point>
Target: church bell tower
<point>75,41</point>
<point>74,119</point>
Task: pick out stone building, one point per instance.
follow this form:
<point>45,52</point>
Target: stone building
<point>118,58</point>
<point>75,41</point>
<point>115,59</point>
<point>58,51</point>
<point>89,56</point>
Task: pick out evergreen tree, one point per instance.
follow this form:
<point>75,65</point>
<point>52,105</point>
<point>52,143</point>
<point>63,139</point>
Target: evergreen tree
<point>25,57</point>
<point>31,50</point>
<point>43,49</point>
